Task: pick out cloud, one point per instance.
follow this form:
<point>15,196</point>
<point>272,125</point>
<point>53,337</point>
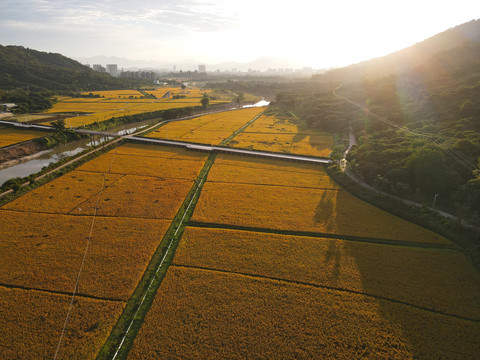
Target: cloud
<point>186,15</point>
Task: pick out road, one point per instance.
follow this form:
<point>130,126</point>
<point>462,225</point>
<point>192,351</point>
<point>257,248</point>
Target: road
<point>229,150</point>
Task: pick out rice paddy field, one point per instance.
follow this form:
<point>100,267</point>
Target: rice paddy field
<point>324,208</point>
<point>283,134</point>
<point>201,314</point>
<point>277,261</point>
<point>44,236</point>
<point>10,136</point>
<point>32,322</point>
<point>208,129</point>
<point>250,277</point>
<point>113,103</point>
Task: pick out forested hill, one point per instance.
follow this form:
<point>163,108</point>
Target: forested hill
<point>22,67</point>
<point>425,141</point>
<point>406,59</point>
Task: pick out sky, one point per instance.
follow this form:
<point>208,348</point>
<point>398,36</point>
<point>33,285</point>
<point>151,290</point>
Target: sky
<point>314,33</point>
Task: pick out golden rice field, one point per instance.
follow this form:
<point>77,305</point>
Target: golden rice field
<point>123,102</point>
<point>42,248</point>
<point>115,93</point>
<point>135,159</point>
<point>32,322</point>
<point>201,314</point>
<point>188,92</point>
<point>63,194</point>
<point>438,280</point>
<point>138,197</point>
<point>10,136</point>
<point>44,251</point>
<point>303,209</point>
<point>210,129</point>
<point>271,133</point>
<point>240,169</point>
<point>294,208</point>
<point>268,124</point>
<point>157,151</point>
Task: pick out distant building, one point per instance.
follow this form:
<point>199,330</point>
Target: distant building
<point>146,75</point>
<point>112,69</point>
<point>202,69</point>
<point>99,68</point>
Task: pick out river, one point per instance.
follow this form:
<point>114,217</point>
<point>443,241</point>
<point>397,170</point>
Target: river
<point>34,163</point>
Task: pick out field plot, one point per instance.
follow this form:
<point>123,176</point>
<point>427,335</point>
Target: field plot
<point>209,129</point>
<point>10,136</point>
<point>270,133</point>
<point>63,194</point>
<point>208,314</point>
<point>44,251</point>
<point>188,93</point>
<point>122,102</point>
<point>437,280</point>
<point>158,151</point>
<point>303,209</point>
<point>117,93</point>
<point>139,196</point>
<point>240,169</point>
<point>174,164</point>
<point>32,322</point>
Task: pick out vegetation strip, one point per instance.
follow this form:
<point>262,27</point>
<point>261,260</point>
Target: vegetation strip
<point>318,286</point>
<point>57,292</point>
<point>127,327</point>
<point>236,132</point>
<point>325,235</point>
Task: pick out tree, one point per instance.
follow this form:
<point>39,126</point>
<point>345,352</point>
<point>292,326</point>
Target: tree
<point>240,97</point>
<point>205,100</point>
<point>467,109</point>
<point>59,124</point>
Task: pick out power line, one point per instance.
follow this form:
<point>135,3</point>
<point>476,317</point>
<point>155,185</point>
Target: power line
<point>75,289</point>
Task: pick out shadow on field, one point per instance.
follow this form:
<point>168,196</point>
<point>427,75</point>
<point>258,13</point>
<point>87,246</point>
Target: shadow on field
<point>425,334</point>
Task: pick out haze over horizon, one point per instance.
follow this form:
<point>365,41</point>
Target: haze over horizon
<point>319,35</point>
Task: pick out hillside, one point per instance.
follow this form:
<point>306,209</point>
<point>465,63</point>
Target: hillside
<point>36,70</point>
<point>422,137</point>
<point>405,59</point>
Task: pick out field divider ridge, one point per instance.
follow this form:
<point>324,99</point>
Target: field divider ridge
<point>123,334</point>
<point>371,240</point>
<point>59,292</point>
<point>240,130</point>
